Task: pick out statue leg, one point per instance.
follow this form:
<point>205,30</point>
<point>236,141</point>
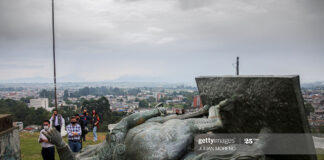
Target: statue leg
<point>203,125</point>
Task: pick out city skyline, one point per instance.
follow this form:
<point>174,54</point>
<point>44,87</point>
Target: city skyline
<point>160,41</point>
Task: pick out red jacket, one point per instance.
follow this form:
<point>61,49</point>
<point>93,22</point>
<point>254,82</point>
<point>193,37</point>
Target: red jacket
<point>95,120</point>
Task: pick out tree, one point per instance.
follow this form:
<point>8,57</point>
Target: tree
<point>66,113</point>
<point>143,104</point>
<point>309,109</point>
<point>102,107</point>
<point>27,99</point>
<point>22,113</point>
<point>47,94</point>
<point>151,100</point>
<point>134,91</point>
<point>99,91</point>
<point>163,99</point>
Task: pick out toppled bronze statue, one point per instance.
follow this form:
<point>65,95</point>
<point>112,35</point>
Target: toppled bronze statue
<point>148,135</point>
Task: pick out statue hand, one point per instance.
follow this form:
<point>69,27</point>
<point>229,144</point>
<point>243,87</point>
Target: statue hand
<point>54,137</point>
<point>162,110</point>
<point>206,108</point>
<point>228,104</point>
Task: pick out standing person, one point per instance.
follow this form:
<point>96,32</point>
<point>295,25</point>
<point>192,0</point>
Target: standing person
<point>48,151</point>
<point>74,135</point>
<point>57,120</point>
<point>77,116</point>
<point>95,124</point>
<point>84,121</point>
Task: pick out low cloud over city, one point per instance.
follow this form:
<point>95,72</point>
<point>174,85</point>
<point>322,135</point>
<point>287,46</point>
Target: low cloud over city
<point>160,40</point>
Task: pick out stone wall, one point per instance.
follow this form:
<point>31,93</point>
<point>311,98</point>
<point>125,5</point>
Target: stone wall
<point>9,139</point>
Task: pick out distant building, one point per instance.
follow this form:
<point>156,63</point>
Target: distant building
<point>319,111</point>
<point>316,99</point>
<point>70,106</point>
<point>12,94</point>
<point>131,98</point>
<point>159,96</point>
<point>178,98</point>
<point>173,102</point>
<point>197,102</point>
<point>134,105</point>
<point>316,122</point>
<point>39,103</point>
<point>73,100</point>
<point>149,96</point>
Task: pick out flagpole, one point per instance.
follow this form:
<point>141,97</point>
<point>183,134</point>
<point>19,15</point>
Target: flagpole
<point>53,33</point>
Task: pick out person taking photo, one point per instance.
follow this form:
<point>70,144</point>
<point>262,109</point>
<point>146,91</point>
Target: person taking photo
<point>48,150</point>
<point>57,120</point>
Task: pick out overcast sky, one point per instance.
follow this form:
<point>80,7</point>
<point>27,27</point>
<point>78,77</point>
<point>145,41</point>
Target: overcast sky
<point>160,40</point>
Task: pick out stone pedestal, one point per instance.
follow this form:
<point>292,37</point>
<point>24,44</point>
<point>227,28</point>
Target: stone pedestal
<point>9,139</point>
<point>274,102</point>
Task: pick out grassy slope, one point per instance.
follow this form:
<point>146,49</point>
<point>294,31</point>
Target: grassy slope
<point>31,149</point>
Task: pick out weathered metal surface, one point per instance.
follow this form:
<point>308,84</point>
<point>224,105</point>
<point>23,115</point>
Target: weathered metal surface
<point>159,141</point>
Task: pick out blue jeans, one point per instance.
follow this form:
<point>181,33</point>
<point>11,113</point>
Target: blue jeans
<point>95,138</point>
<point>75,146</point>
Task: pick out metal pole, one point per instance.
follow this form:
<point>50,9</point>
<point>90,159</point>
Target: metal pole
<point>54,54</point>
<point>237,66</point>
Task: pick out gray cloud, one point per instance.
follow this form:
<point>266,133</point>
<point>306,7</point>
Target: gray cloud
<point>192,4</point>
<point>312,6</point>
<point>162,39</point>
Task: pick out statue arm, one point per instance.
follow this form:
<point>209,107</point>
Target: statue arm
<point>199,113</point>
<point>138,118</point>
<point>65,153</point>
<point>202,125</point>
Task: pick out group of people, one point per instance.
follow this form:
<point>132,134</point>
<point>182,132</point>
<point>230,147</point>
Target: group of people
<point>76,131</point>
